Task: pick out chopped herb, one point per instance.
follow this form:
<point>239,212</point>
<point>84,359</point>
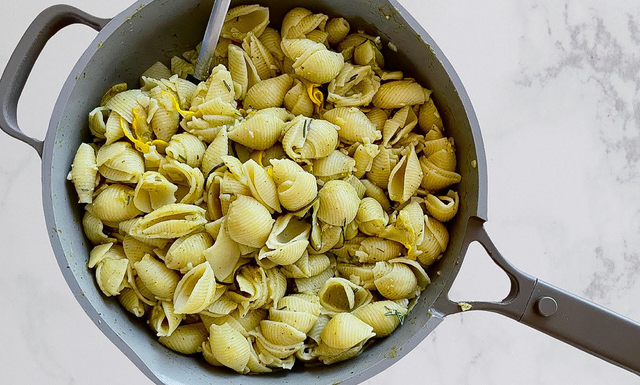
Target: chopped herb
<point>380,250</point>
<point>226,85</point>
<point>283,308</point>
<point>305,129</point>
<point>355,290</point>
<point>393,312</point>
<point>128,199</point>
<point>158,179</point>
<point>182,158</point>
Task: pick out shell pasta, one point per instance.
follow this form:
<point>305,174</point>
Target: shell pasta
<point>284,210</point>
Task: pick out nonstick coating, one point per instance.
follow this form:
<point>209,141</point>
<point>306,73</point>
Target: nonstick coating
<point>144,34</point>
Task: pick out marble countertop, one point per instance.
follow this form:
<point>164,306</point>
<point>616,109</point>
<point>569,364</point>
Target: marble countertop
<point>555,87</point>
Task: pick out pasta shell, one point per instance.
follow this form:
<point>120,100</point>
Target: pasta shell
<point>186,148</point>
<point>271,40</point>
<point>113,130</point>
<point>371,217</point>
<point>284,255</point>
<point>262,186</point>
<point>436,238</point>
<point>218,148</point>
<point>436,178</point>
<point>219,85</point>
<point>84,171</point>
<point>383,316</point>
<point>318,36</point>
<point>340,295</point>
<point>421,276</point>
<point>378,117</point>
<point>442,208</point>
<point>114,204</point>
<point>163,320</point>
<point>280,333</point>
<point>157,71</point>
<point>297,100</point>
<point>170,221</point>
<point>229,347</point>
<point>307,303</point>
<point>373,249</point>
<point>98,121</point>
<point>430,117</point>
<point>260,130</point>
<point>223,255</point>
<point>181,67</point>
<point>334,166</point>
<point>408,228</point>
<point>249,222</point>
<point>445,158</point>
<point>399,93</point>
<point>111,275</point>
<point>243,19</point>
<point>268,93</point>
<point>195,290</point>
<point>277,286</point>
<point>312,60</point>
<point>313,284</point>
<point>382,166</point>
<point>354,125</point>
<point>287,228</point>
<point>264,63</point>
<point>300,21</point>
<point>306,138</point>
<point>159,279</point>
<point>119,162</point>
<point>124,102</point>
<point>405,178</point>
<point>189,180</point>
<point>349,43</point>
<point>339,203</point>
<point>361,275</point>
<point>301,321</point>
<point>345,330</point>
<point>94,230</point>
<point>134,249</point>
<point>337,28</point>
<point>166,118</point>
<point>354,86</point>
<point>186,339</point>
<point>376,193</point>
<point>243,71</point>
<point>187,252</point>
<point>395,280</point>
<point>357,184</point>
<point>399,126</point>
<point>153,191</point>
<point>368,54</point>
<point>130,301</point>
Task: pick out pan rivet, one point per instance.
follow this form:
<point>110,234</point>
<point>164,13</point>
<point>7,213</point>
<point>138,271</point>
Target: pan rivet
<point>547,306</point>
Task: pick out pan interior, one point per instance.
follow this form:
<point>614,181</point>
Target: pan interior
<point>145,34</point>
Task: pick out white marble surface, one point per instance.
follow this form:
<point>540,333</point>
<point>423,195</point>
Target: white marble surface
<point>555,88</point>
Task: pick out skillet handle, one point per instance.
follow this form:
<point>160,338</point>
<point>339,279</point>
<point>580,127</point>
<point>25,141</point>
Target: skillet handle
<point>21,62</point>
<point>544,307</point>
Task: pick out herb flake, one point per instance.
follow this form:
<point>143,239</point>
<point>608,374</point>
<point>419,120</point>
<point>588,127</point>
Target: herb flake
<point>226,85</point>
<point>393,312</point>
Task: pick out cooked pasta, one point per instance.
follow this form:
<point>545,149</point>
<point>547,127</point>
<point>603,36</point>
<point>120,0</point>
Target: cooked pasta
<point>285,209</point>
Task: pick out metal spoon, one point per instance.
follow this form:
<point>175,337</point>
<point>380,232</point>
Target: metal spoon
<point>211,37</point>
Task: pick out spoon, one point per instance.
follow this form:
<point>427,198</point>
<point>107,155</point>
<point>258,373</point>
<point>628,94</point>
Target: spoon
<point>210,40</point>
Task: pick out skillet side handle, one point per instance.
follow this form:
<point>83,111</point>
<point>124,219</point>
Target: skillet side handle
<point>21,62</point>
<point>585,325</point>
<point>553,311</point>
